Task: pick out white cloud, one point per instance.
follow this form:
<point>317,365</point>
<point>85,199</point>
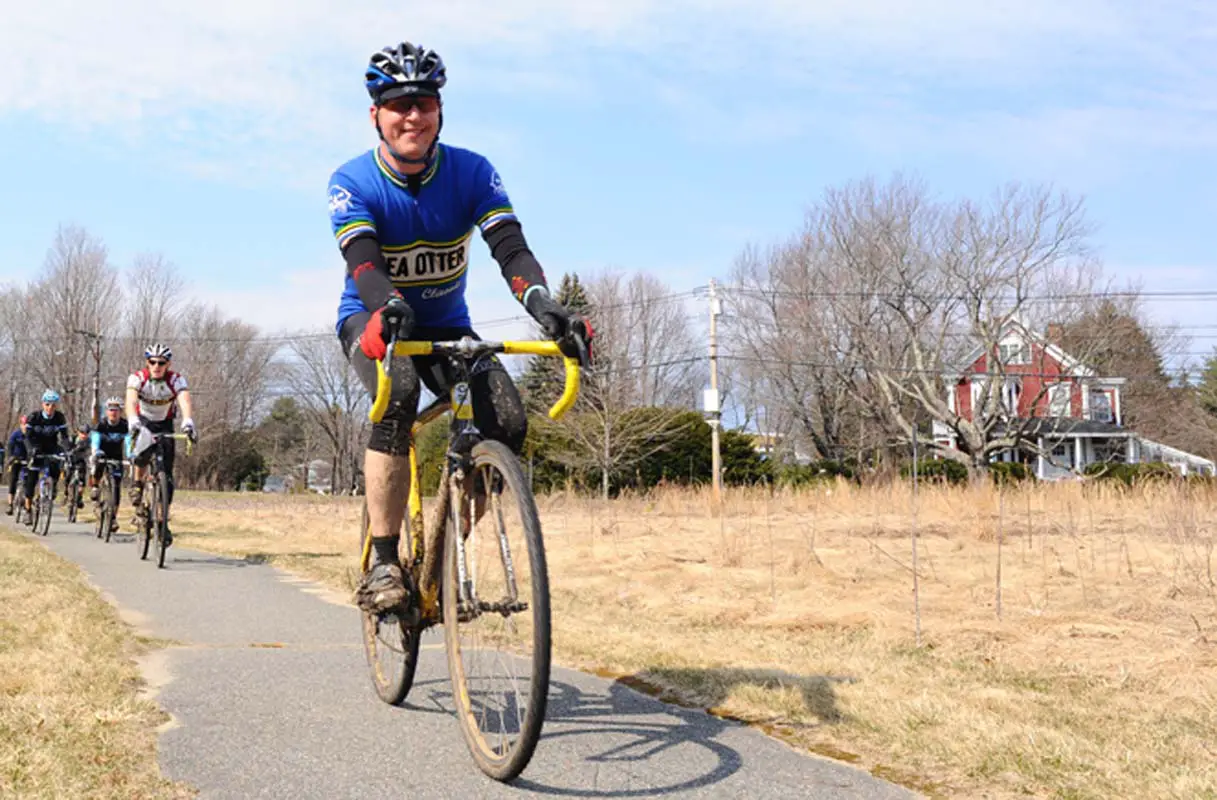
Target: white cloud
<point>241,89</point>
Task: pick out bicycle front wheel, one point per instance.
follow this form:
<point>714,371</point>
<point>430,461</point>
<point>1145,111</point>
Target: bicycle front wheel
<point>73,495</point>
<point>496,613</point>
<point>46,503</point>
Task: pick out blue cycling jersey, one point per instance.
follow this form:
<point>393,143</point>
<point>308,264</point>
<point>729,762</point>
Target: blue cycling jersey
<point>110,439</point>
<point>424,237</point>
<point>16,444</point>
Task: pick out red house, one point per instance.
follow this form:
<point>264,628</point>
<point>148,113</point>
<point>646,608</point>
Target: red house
<point>1073,415</point>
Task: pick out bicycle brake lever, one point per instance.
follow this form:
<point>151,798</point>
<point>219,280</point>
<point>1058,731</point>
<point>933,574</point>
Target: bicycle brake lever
<point>388,362</point>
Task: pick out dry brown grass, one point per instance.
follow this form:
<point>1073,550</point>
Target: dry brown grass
<point>794,611</point>
<point>71,721</point>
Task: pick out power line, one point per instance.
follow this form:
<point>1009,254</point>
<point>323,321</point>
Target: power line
<point>1182,294</point>
<point>944,372</point>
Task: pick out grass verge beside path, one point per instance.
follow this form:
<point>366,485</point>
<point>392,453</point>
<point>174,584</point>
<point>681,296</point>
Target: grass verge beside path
<point>71,721</point>
<point>793,612</point>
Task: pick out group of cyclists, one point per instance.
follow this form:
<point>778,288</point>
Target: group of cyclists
<point>42,440</point>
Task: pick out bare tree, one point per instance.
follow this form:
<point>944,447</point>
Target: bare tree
<point>646,367</point>
<point>227,364</point>
<point>334,402</point>
<point>789,349</point>
<point>154,297</point>
<point>77,291</point>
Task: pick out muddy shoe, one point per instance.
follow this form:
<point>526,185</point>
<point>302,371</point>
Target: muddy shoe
<point>8,512</point>
<point>94,493</point>
<point>113,526</point>
<point>382,589</point>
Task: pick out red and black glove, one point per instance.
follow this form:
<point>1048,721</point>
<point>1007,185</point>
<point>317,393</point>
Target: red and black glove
<point>394,320</point>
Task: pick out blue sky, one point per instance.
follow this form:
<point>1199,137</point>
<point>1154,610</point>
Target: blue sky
<point>660,137</point>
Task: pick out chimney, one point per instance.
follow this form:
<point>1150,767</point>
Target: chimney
<point>1055,332</point>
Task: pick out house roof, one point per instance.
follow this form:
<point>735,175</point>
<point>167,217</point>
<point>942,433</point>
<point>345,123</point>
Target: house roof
<point>1015,325</point>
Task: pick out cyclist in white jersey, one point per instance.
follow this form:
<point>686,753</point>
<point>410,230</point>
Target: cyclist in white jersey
<point>153,396</point>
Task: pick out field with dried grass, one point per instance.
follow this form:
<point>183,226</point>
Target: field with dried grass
<point>1066,644</point>
<point>71,721</point>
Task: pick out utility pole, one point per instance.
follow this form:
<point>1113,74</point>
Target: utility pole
<point>95,339</point>
<point>712,401</point>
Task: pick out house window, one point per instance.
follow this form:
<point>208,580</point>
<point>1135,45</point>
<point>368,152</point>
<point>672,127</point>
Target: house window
<point>1100,407</point>
<point>1011,390</point>
<point>1058,400</point>
<point>979,399</point>
<point>1014,353</point>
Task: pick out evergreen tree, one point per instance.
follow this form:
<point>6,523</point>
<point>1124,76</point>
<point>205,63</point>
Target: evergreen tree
<point>1206,390</point>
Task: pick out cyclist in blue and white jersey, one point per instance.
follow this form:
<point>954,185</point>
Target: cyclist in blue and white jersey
<point>404,214</point>
<point>108,441</point>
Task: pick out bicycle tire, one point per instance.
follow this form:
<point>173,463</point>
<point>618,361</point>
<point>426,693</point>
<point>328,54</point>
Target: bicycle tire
<point>145,521</point>
<point>507,764</point>
<point>106,517</point>
<point>99,510</point>
<point>161,517</point>
<point>46,505</point>
<point>73,492</point>
<point>391,685</point>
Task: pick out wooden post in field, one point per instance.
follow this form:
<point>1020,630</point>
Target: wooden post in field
<point>1001,513</point>
<point>916,577</point>
<point>713,410</point>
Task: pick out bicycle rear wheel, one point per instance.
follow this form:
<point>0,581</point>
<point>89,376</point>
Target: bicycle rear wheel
<point>159,515</point>
<point>105,504</point>
<point>145,520</point>
<point>496,614</point>
<point>391,640</point>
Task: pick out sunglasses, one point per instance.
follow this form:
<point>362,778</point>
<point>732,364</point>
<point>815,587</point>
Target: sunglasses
<point>157,362</point>
<point>402,105</point>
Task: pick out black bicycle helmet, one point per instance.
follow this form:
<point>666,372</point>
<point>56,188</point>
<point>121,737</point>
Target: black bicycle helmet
<point>404,69</point>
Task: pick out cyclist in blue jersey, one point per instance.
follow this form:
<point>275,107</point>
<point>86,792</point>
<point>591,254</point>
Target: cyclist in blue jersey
<point>109,441</point>
<point>403,214</point>
<point>15,460</point>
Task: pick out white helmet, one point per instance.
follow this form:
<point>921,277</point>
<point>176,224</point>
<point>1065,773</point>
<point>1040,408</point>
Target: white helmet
<point>158,350</point>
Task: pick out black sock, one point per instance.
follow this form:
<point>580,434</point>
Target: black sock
<point>385,550</point>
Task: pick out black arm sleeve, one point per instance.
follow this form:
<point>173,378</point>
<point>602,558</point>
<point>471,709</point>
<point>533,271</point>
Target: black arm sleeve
<point>520,267</point>
<point>366,264</point>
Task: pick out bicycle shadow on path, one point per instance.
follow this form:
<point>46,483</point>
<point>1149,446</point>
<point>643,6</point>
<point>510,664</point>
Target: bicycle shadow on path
<point>665,749</point>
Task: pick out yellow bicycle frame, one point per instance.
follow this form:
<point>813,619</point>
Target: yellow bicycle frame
<point>384,385</point>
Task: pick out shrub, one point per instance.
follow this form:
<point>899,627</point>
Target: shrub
<point>1131,474</point>
<point>937,470</point>
<point>1008,472</point>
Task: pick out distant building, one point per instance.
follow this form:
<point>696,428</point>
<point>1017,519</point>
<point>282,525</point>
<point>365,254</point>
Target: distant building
<point>1073,415</point>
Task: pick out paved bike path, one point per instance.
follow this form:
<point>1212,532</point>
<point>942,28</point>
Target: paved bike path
<point>269,694</point>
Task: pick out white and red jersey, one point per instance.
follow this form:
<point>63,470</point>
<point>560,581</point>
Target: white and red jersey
<point>157,399</point>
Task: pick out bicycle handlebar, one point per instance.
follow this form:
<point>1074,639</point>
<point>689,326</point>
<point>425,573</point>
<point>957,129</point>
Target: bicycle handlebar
<point>469,347</point>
